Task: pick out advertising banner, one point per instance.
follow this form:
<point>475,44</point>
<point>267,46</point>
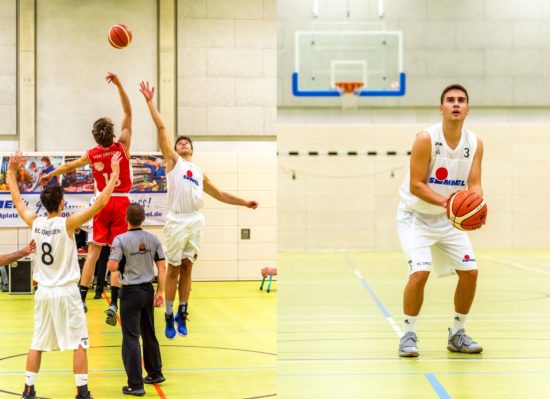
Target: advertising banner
<point>148,186</point>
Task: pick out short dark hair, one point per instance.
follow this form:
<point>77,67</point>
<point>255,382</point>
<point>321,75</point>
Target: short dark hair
<point>103,132</point>
<point>135,214</point>
<point>51,197</point>
<point>46,159</point>
<point>180,138</point>
<point>454,86</point>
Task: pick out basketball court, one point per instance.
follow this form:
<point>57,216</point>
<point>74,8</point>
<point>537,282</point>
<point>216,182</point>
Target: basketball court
<point>340,317</point>
<point>230,351</point>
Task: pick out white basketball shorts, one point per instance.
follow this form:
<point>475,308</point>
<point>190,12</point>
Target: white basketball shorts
<point>429,240</point>
<point>59,319</point>
<point>183,236</point>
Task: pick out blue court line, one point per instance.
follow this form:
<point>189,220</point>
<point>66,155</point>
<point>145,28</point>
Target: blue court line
<point>371,292</point>
<point>436,385</point>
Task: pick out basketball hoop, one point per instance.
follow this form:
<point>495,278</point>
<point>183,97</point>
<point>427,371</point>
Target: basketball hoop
<point>348,93</point>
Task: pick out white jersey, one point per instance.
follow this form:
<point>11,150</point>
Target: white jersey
<point>448,171</point>
<point>185,185</point>
<point>56,258</point>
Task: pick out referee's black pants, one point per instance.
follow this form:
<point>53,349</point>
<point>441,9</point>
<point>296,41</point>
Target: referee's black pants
<point>136,315</point>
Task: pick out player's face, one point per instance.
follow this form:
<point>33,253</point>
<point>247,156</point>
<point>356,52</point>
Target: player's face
<point>184,147</point>
<point>455,105</point>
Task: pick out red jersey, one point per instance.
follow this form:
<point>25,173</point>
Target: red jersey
<point>100,159</point>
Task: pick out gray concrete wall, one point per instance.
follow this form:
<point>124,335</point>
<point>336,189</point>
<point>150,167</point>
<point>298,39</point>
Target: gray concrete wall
<point>73,56</point>
<point>499,49</point>
<point>8,63</point>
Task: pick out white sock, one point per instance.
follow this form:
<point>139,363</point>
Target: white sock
<point>81,379</point>
<point>410,323</point>
<point>30,378</point>
<point>169,307</point>
<point>458,322</point>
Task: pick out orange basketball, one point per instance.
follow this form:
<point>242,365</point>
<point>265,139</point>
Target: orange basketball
<point>120,36</point>
<point>467,210</point>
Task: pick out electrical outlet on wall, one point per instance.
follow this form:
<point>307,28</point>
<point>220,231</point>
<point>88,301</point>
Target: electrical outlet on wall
<point>245,234</point>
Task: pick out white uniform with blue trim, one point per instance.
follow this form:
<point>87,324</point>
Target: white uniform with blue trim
<point>59,319</point>
<point>425,233</point>
<point>184,221</point>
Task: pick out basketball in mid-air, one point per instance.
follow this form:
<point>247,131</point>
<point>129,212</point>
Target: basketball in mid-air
<point>120,36</point>
<point>467,210</point>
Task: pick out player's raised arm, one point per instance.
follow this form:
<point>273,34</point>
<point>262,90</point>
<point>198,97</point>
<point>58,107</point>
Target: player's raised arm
<point>420,162</point>
<point>78,219</point>
<point>65,168</point>
<point>24,212</point>
<point>225,197</point>
<point>165,144</point>
<point>126,126</point>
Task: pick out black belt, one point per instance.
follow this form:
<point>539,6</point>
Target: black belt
<point>138,285</point>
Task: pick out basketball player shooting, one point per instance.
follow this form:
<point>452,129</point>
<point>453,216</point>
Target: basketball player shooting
<point>110,222</point>
<point>59,320</point>
<point>445,158</point>
<point>184,221</point>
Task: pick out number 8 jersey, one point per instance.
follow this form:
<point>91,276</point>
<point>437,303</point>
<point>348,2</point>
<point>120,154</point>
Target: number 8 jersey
<point>56,258</point>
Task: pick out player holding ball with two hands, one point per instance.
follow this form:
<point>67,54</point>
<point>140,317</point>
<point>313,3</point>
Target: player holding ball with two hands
<point>445,158</point>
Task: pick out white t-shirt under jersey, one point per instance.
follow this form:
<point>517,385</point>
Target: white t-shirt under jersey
<point>185,185</point>
<point>56,258</point>
<point>448,171</point>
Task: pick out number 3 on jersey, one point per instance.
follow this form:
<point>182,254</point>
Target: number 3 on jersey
<point>108,177</point>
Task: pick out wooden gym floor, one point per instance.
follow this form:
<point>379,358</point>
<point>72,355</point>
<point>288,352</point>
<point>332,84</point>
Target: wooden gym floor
<point>229,352</point>
<point>340,315</point>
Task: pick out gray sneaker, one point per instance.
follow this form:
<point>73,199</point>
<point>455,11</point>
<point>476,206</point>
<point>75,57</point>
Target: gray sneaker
<point>407,345</point>
<point>460,342</point>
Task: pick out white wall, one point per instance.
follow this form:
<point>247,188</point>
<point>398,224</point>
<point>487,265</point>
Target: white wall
<point>8,62</point>
<point>227,67</point>
<point>350,202</point>
<point>73,57</point>
<point>497,48</point>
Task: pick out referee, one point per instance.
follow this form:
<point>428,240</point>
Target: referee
<point>133,254</point>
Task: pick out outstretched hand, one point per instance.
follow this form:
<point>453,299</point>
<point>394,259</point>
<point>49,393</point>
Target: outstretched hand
<point>112,78</point>
<point>252,204</point>
<point>148,92</point>
<point>30,248</point>
<point>15,161</point>
<point>115,163</point>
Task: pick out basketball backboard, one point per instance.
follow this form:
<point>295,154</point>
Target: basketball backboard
<point>325,58</point>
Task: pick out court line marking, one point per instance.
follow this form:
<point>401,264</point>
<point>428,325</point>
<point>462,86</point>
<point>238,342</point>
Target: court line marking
<point>515,265</point>
<point>199,369</point>
<point>436,385</point>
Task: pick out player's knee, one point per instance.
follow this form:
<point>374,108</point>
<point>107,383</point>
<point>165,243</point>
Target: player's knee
<point>419,278</point>
<point>470,275</point>
<point>173,272</point>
